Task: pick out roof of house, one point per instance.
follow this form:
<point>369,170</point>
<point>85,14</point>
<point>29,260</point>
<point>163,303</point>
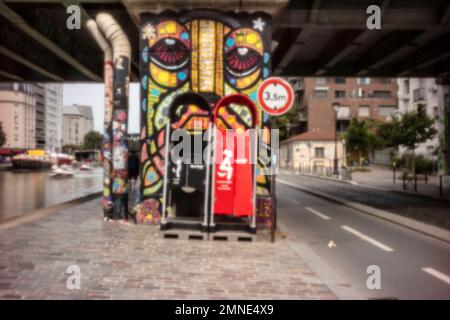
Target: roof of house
<point>311,136</point>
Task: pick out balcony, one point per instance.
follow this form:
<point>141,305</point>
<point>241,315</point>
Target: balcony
<point>419,94</point>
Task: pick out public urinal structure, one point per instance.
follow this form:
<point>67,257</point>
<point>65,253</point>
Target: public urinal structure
<point>187,166</point>
<point>234,174</point>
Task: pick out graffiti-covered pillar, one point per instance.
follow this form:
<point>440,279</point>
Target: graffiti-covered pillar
<point>208,52</point>
<point>119,117</point>
<point>106,149</point>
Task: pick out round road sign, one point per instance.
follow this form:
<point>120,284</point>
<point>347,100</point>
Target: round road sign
<point>275,96</point>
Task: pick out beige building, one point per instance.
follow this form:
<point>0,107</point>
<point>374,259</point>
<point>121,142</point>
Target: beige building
<point>77,121</point>
<point>313,151</point>
<point>18,115</point>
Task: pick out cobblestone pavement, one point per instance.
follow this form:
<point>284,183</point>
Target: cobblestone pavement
<point>134,262</point>
<point>417,207</point>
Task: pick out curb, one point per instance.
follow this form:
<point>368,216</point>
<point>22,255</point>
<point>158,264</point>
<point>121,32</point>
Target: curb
<point>320,177</point>
<point>409,223</point>
<point>44,212</point>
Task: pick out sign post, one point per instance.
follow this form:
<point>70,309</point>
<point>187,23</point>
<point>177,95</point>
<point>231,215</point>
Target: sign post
<point>276,97</point>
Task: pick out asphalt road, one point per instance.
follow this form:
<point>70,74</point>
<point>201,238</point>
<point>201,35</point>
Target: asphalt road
<point>347,242</point>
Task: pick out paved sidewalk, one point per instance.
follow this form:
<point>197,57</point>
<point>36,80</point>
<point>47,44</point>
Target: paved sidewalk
<point>383,178</point>
<point>134,262</point>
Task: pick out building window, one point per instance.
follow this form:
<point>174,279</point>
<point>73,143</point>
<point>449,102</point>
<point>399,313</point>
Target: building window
<point>363,80</point>
<point>363,111</point>
<point>340,80</point>
<point>339,94</point>
<point>380,94</point>
<point>358,93</point>
<point>321,81</point>
<point>320,93</point>
<point>419,94</point>
<point>436,113</point>
<point>343,112</point>
<point>319,153</point>
<point>385,80</point>
<point>387,111</point>
<point>406,87</point>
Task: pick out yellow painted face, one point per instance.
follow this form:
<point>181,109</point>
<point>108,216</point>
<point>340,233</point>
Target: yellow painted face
<point>205,53</point>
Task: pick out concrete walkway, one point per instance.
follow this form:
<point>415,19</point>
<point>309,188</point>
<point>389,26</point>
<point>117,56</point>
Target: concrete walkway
<point>383,178</point>
<point>134,262</point>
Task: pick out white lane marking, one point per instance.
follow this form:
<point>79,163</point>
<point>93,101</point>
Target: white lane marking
<point>293,200</point>
<point>317,213</point>
<point>367,238</point>
<point>437,274</point>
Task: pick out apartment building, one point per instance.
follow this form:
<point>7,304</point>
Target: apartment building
<point>40,131</point>
<point>425,91</point>
<point>77,121</point>
<point>363,98</point>
<point>53,116</point>
<point>18,114</point>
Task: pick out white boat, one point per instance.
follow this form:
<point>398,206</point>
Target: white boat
<point>86,167</point>
<point>63,171</point>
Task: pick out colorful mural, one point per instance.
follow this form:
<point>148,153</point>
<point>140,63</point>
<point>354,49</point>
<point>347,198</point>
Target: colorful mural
<point>119,146</point>
<point>106,142</point>
<point>204,51</point>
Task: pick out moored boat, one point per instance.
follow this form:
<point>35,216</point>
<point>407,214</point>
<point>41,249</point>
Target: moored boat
<point>32,160</point>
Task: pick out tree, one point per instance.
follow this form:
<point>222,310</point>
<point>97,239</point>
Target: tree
<point>359,138</point>
<point>2,135</point>
<point>409,130</point>
<point>285,120</point>
<point>93,140</point>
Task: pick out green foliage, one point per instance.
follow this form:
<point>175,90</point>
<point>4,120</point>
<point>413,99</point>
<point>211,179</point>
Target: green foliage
<point>408,130</point>
<point>282,122</point>
<point>2,135</point>
<point>360,138</point>
<point>93,140</point>
<point>422,164</point>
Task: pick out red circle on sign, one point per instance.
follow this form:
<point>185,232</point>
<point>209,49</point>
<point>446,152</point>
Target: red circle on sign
<point>290,96</point>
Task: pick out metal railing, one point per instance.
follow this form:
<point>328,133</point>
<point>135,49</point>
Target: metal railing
<point>322,171</point>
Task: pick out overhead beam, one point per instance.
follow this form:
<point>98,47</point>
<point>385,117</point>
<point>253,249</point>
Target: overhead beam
<point>29,64</point>
<point>446,16</point>
<point>342,44</point>
<point>432,52</point>
<point>382,51</point>
<point>21,24</point>
<point>10,76</point>
<point>303,35</point>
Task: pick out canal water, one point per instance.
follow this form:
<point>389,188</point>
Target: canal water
<point>23,192</point>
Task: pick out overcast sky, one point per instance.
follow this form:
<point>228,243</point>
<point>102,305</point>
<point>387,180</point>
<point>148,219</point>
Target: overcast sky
<point>93,95</point>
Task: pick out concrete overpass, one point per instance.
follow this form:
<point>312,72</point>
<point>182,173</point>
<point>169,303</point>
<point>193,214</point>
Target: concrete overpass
<point>310,38</point>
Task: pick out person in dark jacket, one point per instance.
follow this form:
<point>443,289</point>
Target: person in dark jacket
<point>133,168</point>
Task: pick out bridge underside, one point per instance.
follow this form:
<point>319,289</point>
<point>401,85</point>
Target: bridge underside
<point>310,38</point>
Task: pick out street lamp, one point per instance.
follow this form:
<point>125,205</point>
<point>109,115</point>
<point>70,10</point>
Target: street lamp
<point>335,160</point>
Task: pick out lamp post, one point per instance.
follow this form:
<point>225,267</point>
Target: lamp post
<point>335,160</point>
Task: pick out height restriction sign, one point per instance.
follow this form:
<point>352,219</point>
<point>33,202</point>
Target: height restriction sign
<point>275,96</point>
